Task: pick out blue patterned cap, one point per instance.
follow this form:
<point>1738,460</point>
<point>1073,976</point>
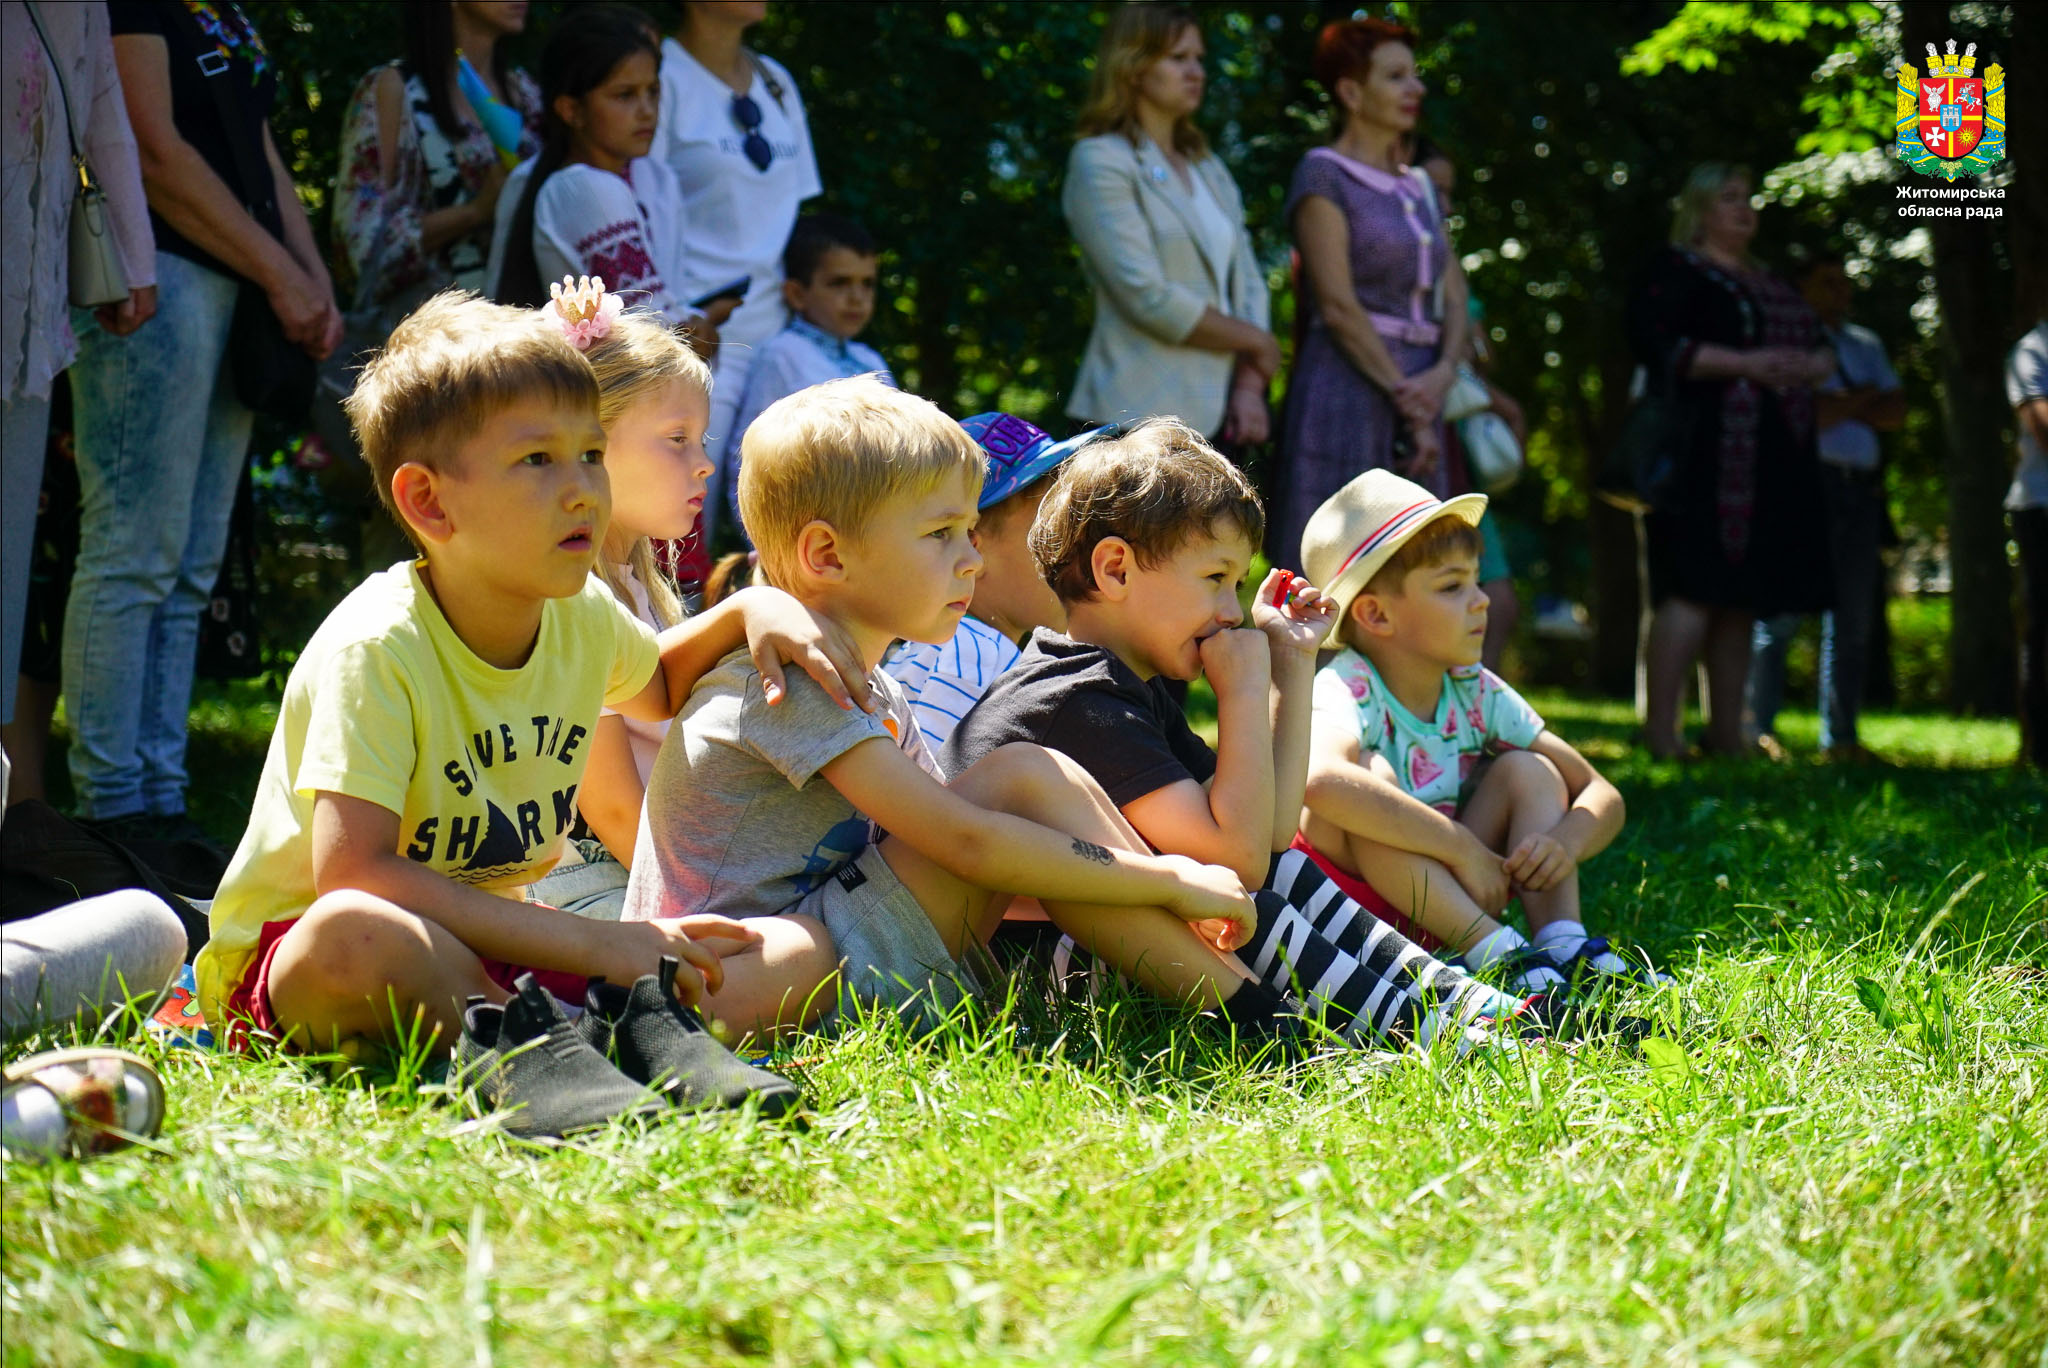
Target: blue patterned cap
<point>1018,452</point>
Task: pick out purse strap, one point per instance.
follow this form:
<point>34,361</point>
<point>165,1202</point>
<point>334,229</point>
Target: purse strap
<point>85,181</point>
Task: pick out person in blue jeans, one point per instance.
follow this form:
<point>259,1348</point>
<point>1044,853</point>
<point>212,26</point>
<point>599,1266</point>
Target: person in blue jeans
<point>160,433</point>
<point>1861,400</point>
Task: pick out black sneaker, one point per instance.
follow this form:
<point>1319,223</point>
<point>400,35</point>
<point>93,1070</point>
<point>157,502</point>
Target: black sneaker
<point>1562,1017</point>
<point>1586,975</point>
<point>525,1057</point>
<point>661,1043</point>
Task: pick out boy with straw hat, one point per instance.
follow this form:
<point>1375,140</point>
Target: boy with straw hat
<point>1430,779</point>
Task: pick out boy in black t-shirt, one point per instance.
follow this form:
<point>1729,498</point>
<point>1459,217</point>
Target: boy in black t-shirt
<point>1146,538</point>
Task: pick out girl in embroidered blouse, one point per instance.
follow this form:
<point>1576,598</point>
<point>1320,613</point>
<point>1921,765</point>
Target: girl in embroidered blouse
<point>417,192</point>
<point>593,203</point>
<point>1383,298</point>
<point>1740,535</point>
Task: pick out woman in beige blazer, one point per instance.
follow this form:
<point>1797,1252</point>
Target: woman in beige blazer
<point>1181,313</point>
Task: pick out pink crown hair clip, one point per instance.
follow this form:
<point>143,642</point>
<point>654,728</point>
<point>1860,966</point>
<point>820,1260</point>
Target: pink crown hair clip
<point>583,310</point>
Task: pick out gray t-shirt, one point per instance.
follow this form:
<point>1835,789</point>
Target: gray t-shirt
<point>737,820</point>
<point>2026,377</point>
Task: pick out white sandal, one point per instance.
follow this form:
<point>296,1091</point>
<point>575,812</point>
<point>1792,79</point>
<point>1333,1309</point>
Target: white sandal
<point>79,1102</point>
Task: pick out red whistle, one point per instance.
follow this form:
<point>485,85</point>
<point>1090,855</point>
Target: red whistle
<point>1285,588</point>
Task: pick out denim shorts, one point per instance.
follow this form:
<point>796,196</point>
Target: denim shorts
<point>595,888</point>
<point>890,954</point>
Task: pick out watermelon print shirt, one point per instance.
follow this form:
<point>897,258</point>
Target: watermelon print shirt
<point>1477,715</point>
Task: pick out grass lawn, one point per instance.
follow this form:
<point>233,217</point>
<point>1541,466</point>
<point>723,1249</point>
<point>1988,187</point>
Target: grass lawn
<point>1840,1156</point>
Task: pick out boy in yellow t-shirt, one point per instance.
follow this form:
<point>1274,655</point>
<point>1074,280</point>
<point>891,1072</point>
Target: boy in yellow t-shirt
<point>433,733</point>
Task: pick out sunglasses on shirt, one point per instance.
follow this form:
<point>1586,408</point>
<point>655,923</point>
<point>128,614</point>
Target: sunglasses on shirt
<point>747,115</point>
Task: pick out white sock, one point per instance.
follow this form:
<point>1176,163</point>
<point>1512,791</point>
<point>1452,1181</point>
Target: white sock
<point>1563,939</point>
<point>1498,946</point>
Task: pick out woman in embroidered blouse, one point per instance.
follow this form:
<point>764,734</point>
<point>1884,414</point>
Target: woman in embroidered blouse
<point>417,193</point>
<point>1181,309</point>
<point>593,202</point>
<point>1383,303</point>
<point>1740,535</point>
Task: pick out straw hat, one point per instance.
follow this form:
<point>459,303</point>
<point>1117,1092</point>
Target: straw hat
<point>1360,527</point>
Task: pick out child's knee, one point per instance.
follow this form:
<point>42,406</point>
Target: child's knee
<point>1021,774</point>
<point>351,944</point>
<point>1530,774</point>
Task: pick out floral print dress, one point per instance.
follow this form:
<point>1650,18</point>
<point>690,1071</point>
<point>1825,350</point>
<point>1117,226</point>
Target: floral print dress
<point>378,211</point>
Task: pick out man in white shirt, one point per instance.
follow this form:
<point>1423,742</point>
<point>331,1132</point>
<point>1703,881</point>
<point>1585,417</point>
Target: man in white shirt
<point>1860,400</point>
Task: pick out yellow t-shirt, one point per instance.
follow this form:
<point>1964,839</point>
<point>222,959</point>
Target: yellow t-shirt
<point>387,704</point>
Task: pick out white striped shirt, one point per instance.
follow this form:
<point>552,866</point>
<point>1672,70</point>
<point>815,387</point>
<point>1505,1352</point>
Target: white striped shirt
<point>945,681</point>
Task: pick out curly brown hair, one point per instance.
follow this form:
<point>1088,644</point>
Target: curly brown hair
<point>1156,485</point>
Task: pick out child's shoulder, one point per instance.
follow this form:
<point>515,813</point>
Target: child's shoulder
<point>1350,671</point>
<point>391,609</point>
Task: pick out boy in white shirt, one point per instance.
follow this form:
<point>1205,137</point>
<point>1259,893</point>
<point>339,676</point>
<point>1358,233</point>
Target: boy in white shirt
<point>829,271</point>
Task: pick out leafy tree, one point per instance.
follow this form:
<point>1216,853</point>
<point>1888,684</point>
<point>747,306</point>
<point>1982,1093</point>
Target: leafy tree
<point>946,129</point>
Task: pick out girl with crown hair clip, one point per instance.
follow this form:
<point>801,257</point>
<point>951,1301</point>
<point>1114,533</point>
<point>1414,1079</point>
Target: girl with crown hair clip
<point>654,400</point>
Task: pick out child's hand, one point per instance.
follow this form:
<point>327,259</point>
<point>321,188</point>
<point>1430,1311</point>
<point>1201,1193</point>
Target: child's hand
<point>1236,658</point>
<point>1294,614</point>
<point>1213,900</point>
<point>780,629</point>
<point>641,945</point>
<point>1484,875</point>
<point>723,936</point>
<point>1540,861</point>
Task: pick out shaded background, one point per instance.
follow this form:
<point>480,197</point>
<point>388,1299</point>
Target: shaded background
<point>946,129</point>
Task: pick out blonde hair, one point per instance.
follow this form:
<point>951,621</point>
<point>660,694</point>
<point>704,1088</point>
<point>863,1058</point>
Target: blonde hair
<point>1697,196</point>
<point>1157,487</point>
<point>1138,35</point>
<point>835,453</point>
<point>639,356</point>
<point>452,363</point>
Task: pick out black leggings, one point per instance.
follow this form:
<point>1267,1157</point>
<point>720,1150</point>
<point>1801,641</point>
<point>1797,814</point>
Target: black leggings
<point>2030,530</point>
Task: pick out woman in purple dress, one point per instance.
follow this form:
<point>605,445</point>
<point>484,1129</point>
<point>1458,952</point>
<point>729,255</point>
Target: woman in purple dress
<point>1383,300</point>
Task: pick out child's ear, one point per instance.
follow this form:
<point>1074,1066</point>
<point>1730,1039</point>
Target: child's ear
<point>793,294</point>
<point>569,110</point>
<point>418,500</point>
<point>1111,563</point>
<point>1369,614</point>
<point>818,552</point>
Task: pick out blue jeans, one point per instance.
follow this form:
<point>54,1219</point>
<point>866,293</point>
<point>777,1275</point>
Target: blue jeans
<point>161,439</point>
<point>1854,508</point>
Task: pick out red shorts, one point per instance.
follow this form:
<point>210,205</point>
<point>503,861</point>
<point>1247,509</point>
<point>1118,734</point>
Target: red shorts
<point>1362,893</point>
<point>248,1006</point>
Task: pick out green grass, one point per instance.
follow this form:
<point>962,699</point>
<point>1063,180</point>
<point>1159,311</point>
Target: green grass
<point>1800,1176</point>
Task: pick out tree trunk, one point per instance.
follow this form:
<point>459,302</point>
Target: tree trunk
<point>1617,590</point>
<point>1975,334</point>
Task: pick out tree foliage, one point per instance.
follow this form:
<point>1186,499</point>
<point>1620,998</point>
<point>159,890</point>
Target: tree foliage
<point>946,129</point>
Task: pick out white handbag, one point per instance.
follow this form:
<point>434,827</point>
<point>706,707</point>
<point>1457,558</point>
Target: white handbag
<point>97,276</point>
<point>1492,455</point>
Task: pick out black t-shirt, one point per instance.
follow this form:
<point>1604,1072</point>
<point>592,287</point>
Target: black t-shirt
<point>208,42</point>
<point>1082,701</point>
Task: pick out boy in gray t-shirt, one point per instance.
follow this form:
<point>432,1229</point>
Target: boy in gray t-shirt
<point>860,500</point>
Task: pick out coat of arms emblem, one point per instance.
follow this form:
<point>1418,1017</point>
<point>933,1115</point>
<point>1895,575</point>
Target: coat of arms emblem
<point>1951,122</point>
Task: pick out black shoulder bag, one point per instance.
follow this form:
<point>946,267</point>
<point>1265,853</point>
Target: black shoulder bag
<point>272,375</point>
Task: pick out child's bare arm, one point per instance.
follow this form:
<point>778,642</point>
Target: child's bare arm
<point>1596,813</point>
<point>1230,822</point>
<point>609,796</point>
<point>775,628</point>
<point>1362,795</point>
<point>356,845</point>
<point>1295,616</point>
<point>998,853</point>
